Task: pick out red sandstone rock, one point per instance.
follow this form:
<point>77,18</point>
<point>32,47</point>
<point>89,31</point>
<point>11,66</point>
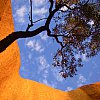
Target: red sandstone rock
<point>13,87</point>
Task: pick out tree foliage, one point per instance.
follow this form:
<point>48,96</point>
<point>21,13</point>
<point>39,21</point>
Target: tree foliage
<point>80,27</point>
<point>76,30</point>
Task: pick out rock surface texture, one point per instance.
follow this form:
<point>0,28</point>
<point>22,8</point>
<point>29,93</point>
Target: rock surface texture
<point>13,87</point>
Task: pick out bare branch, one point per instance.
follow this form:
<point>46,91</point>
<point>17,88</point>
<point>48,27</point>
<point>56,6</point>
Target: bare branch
<point>66,5</point>
<point>57,40</point>
<point>55,36</point>
<point>28,27</point>
<point>51,15</point>
<point>31,12</point>
<point>4,43</point>
<point>86,2</point>
<point>51,5</point>
<point>30,17</point>
<point>39,20</point>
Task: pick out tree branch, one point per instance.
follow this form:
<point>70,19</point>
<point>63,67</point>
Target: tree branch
<point>51,15</point>
<point>55,36</point>
<point>57,40</point>
<point>30,17</point>
<point>86,2</point>
<point>31,12</point>
<point>4,43</point>
<point>38,20</point>
<point>51,5</point>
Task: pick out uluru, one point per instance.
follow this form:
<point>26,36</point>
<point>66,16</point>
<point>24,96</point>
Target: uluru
<point>14,87</point>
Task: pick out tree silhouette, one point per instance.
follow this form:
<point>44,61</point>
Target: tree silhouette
<point>76,30</point>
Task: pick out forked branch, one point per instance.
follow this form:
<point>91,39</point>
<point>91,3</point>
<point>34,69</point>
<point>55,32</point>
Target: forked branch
<point>4,43</point>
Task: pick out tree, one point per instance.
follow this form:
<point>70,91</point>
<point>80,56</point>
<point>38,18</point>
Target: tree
<point>76,30</point>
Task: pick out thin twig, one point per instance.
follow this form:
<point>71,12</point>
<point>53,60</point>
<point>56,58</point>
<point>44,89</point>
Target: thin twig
<point>31,12</point>
<point>39,20</point>
<point>57,40</point>
<point>30,17</point>
<point>55,36</point>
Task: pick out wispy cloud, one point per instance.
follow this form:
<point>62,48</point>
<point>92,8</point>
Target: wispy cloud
<point>81,80</point>
<point>64,8</point>
<point>57,75</point>
<point>39,2</point>
<point>20,14</point>
<point>43,36</point>
<point>39,8</point>
<point>35,45</point>
<point>40,11</point>
<point>52,83</point>
<point>83,56</point>
<point>45,73</point>
<point>30,56</point>
<point>91,22</point>
<point>69,88</point>
<point>45,82</point>
<point>42,63</point>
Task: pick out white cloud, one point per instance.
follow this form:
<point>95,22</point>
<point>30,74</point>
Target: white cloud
<point>39,2</point>
<point>35,45</point>
<point>81,80</point>
<point>43,36</point>
<point>30,56</point>
<point>77,56</point>
<point>43,66</point>
<point>64,8</point>
<point>57,75</point>
<point>40,11</point>
<point>83,56</point>
<point>45,82</point>
<point>20,13</point>
<point>79,85</point>
<point>39,8</point>
<point>52,84</point>
<point>43,63</point>
<point>91,22</point>
<point>45,75</point>
<point>69,88</point>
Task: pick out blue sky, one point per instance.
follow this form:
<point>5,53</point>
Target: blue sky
<point>37,52</point>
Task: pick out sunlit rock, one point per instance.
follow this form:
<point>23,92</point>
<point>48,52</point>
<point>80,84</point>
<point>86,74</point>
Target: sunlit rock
<point>13,87</point>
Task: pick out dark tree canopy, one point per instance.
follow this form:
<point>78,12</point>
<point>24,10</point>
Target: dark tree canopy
<point>80,30</point>
<point>76,30</point>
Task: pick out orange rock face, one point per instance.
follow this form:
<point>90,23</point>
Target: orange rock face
<point>13,87</point>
